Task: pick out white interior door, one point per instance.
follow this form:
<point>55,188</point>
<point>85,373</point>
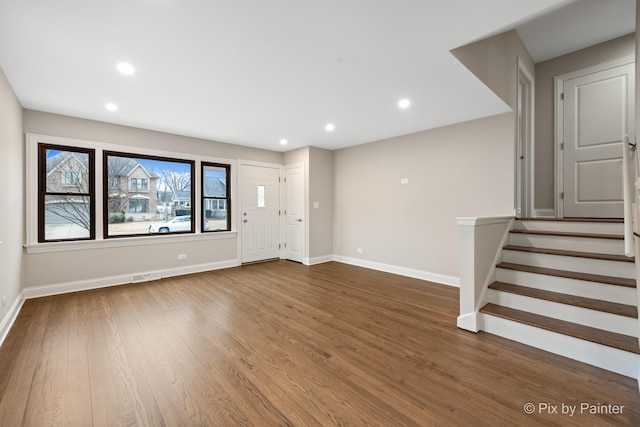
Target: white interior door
<point>294,212</point>
<point>598,112</point>
<point>260,220</point>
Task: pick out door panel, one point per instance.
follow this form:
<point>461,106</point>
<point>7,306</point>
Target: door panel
<point>294,238</point>
<point>591,186</point>
<point>260,213</point>
<point>598,112</point>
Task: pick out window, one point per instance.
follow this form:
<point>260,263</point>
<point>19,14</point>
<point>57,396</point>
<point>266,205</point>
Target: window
<point>143,193</point>
<point>139,184</point>
<point>66,197</point>
<point>71,178</point>
<point>216,200</point>
<point>158,198</point>
<point>139,205</point>
<point>114,184</point>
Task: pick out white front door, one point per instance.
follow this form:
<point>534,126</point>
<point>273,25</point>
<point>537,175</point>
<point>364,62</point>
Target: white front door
<point>294,212</point>
<point>598,112</point>
<point>260,220</point>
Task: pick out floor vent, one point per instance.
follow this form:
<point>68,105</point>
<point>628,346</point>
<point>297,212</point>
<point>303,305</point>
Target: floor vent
<point>145,277</point>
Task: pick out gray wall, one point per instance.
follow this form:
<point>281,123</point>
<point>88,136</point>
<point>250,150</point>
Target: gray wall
<point>13,200</point>
<point>545,107</point>
<point>321,190</point>
<point>465,169</point>
<point>494,62</point>
<point>71,127</point>
<point>70,266</point>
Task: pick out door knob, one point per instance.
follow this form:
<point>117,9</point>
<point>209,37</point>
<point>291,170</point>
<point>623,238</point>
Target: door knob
<point>299,219</point>
<point>245,220</point>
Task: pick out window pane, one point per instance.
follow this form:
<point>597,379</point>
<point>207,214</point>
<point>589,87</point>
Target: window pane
<point>215,181</point>
<point>214,219</point>
<point>139,205</point>
<point>147,195</point>
<point>216,215</point>
<point>65,201</point>
<point>67,172</point>
<point>67,217</point>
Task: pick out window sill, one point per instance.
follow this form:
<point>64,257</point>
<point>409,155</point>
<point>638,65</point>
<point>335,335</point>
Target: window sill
<point>39,248</point>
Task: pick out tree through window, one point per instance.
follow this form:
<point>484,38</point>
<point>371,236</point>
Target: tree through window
<point>144,192</point>
<point>66,193</point>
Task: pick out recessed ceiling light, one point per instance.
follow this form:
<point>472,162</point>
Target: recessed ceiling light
<point>125,68</point>
<point>404,103</point>
<point>110,106</point>
<point>330,127</point>
<point>283,142</point>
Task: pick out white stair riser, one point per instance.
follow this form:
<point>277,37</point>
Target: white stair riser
<point>567,243</point>
<point>572,227</point>
<point>575,264</point>
<point>583,316</point>
<point>611,359</point>
<point>563,285</point>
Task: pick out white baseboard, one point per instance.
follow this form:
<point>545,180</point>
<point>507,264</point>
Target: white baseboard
<point>200,268</point>
<point>469,322</point>
<point>11,317</point>
<point>318,260</point>
<point>402,271</point>
<point>103,282</point>
<point>75,286</point>
<point>544,213</point>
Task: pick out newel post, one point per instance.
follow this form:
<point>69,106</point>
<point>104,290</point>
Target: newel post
<point>480,248</point>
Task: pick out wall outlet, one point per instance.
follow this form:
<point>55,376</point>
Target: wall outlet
<point>359,250</point>
<point>182,256</point>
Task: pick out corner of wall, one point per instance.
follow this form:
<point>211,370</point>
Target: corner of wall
<point>11,232</point>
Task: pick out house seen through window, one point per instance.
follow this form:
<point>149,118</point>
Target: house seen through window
<point>142,194</point>
<point>66,196</point>
<point>147,195</point>
<point>216,215</point>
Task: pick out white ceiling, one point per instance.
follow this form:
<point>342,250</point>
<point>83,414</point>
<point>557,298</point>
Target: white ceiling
<point>577,25</point>
<point>252,72</point>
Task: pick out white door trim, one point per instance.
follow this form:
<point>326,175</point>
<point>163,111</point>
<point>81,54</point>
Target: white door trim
<point>238,209</point>
<point>524,169</point>
<point>559,120</point>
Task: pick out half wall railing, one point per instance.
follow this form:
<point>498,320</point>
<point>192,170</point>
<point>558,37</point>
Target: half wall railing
<point>629,182</point>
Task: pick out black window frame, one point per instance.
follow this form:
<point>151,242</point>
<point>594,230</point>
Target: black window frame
<point>43,193</point>
<point>105,197</point>
<point>227,198</point>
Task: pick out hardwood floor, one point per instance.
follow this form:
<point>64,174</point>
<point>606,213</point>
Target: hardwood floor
<point>282,344</point>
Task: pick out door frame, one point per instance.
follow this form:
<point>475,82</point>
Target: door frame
<point>239,209</point>
<point>559,120</point>
<point>524,182</point>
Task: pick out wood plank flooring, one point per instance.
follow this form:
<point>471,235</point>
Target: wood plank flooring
<point>282,344</point>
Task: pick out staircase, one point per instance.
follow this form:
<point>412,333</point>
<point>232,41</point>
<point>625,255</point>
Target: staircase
<point>565,286</point>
